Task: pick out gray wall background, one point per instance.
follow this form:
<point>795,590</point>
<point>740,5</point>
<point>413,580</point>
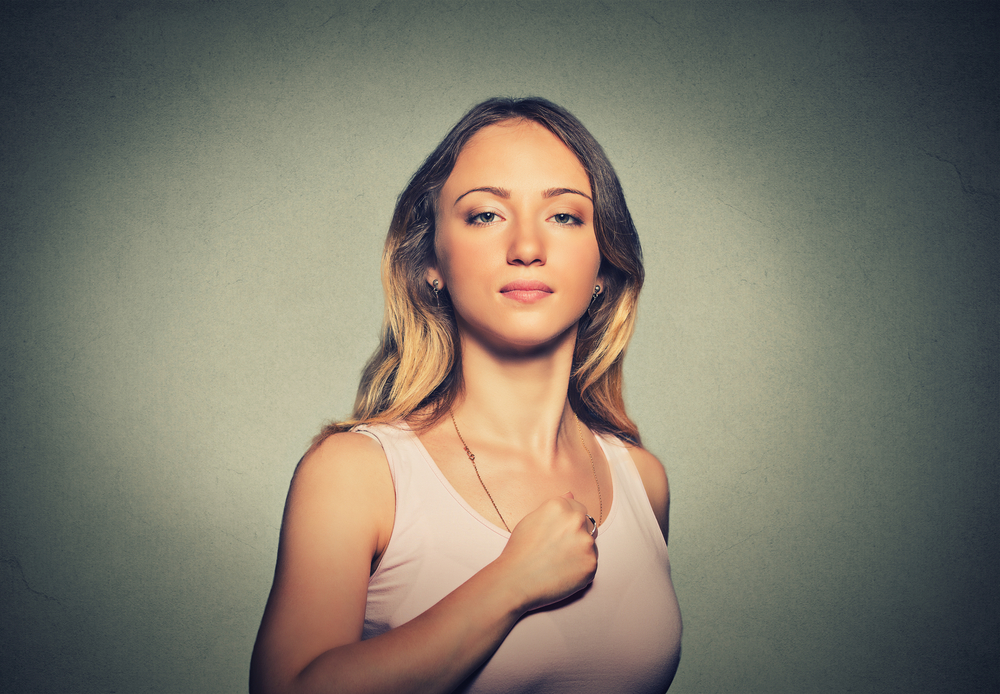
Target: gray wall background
<point>194,200</point>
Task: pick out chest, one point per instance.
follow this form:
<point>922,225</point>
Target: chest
<point>503,488</point>
<point>620,634</point>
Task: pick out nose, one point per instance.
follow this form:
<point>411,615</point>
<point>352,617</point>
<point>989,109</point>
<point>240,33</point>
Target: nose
<point>527,246</point>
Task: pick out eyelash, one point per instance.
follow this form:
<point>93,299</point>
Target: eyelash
<point>475,220</point>
<point>574,221</point>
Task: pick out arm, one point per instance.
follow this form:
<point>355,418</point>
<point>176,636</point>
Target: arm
<point>654,479</point>
<point>338,518</point>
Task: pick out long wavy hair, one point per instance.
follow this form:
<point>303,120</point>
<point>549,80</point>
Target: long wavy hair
<point>416,372</point>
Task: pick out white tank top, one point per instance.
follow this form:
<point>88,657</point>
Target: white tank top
<point>622,634</point>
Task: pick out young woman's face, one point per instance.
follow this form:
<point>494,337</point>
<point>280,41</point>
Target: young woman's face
<point>515,244</point>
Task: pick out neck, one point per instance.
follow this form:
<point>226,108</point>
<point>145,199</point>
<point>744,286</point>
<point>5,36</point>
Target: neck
<point>519,399</point>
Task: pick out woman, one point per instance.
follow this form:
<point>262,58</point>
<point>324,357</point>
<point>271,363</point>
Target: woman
<point>446,538</point>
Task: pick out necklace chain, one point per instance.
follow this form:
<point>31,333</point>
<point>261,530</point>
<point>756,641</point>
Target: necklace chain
<point>472,459</point>
<point>593,468</point>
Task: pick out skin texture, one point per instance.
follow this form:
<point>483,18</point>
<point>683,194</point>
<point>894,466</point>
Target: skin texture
<point>505,215</point>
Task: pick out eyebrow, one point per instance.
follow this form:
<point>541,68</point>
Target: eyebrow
<point>499,192</point>
<point>505,194</point>
<point>556,192</point>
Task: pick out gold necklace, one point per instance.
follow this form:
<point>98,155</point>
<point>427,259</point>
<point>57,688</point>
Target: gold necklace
<point>472,459</point>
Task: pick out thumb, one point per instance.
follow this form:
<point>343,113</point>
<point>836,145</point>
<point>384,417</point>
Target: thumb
<point>568,495</point>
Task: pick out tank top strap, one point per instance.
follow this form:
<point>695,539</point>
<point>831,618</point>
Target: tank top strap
<point>430,517</point>
<point>392,438</point>
<point>629,487</point>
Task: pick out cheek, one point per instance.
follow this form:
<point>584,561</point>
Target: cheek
<point>588,256</point>
<point>460,264</point>
<point>449,259</point>
<point>447,256</point>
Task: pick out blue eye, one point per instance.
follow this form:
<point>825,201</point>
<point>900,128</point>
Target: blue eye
<point>566,219</point>
<point>483,218</point>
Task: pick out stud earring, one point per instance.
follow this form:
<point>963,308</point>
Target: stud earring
<point>436,286</point>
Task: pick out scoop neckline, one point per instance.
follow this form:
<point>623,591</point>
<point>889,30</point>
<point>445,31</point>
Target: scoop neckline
<point>503,532</point>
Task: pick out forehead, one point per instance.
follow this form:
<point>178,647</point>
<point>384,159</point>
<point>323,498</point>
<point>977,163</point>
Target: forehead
<point>518,154</point>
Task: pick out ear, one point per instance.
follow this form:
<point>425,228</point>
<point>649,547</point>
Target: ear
<point>431,275</point>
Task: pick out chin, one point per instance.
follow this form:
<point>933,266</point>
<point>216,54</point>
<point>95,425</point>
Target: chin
<point>530,342</point>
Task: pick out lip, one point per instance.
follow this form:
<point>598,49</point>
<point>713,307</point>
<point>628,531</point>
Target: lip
<point>525,291</point>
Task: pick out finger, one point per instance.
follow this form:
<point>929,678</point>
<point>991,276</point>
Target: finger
<point>573,503</point>
<point>576,505</point>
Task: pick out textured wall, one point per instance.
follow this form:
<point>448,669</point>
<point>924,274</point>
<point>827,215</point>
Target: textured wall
<point>194,196</point>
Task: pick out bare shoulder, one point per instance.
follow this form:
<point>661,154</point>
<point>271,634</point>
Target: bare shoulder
<point>344,454</point>
<point>346,473</point>
<point>654,480</point>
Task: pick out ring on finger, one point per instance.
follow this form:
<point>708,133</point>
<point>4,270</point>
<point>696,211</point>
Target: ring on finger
<point>593,531</point>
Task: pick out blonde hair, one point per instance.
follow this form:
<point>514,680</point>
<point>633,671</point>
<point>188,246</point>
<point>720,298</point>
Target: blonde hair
<point>416,373</point>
